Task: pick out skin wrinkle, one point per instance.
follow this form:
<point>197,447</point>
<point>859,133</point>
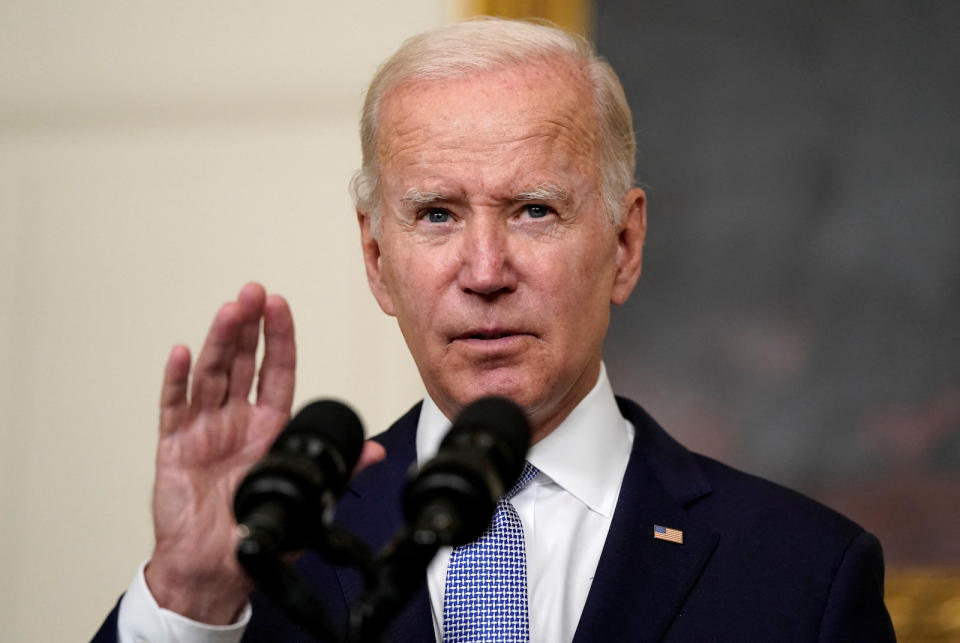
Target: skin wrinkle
<point>566,127</point>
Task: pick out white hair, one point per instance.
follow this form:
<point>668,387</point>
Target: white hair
<point>485,44</point>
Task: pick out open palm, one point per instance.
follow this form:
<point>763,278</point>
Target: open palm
<point>209,438</point>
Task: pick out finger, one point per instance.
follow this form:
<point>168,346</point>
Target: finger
<point>211,376</point>
<point>372,453</point>
<point>277,373</point>
<point>251,301</point>
<point>173,393</point>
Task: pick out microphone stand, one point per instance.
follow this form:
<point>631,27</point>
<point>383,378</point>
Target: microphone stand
<point>286,588</point>
<point>391,577</point>
<point>398,571</point>
<point>291,593</point>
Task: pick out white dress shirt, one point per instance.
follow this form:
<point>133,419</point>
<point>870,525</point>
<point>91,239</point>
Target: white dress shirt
<point>566,512</point>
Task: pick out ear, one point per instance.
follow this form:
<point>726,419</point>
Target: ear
<point>630,246</point>
<point>372,261</point>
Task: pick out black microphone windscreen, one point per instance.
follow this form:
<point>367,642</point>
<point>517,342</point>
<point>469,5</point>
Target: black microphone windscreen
<point>503,421</point>
<point>335,423</point>
<point>454,494</point>
<point>285,497</point>
<point>499,416</point>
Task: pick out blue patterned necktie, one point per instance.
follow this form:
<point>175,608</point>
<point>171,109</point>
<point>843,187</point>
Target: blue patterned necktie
<point>485,598</point>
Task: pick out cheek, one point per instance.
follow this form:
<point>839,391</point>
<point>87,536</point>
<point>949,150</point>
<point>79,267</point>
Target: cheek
<point>583,274</point>
<point>587,289</point>
<point>416,277</point>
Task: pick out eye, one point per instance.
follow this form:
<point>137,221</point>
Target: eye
<point>437,215</point>
<point>536,210</point>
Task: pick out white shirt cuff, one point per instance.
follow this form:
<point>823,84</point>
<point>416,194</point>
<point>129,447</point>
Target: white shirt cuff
<point>141,620</point>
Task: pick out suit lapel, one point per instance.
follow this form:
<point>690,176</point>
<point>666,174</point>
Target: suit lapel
<point>641,582</point>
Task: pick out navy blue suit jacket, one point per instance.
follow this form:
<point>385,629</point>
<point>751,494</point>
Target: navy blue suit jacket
<point>758,562</point>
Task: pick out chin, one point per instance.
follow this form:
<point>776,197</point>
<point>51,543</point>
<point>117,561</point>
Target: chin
<point>515,384</point>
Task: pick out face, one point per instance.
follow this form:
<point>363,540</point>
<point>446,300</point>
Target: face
<point>494,252</point>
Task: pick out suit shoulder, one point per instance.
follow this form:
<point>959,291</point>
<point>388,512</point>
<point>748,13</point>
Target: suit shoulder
<point>780,546</point>
<point>751,507</point>
<point>736,503</point>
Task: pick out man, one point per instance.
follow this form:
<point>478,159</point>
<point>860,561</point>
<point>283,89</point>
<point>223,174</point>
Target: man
<point>498,225</point>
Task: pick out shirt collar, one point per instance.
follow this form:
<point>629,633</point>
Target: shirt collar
<point>586,454</point>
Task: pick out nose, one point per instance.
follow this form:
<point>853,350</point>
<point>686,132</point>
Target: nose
<point>486,267</point>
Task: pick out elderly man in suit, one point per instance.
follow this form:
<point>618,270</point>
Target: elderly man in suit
<point>499,224</point>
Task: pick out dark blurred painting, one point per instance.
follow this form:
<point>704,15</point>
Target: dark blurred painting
<point>799,312</point>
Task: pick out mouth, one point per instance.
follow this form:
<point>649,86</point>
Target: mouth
<point>493,346</point>
<point>488,336</point>
<point>491,335</point>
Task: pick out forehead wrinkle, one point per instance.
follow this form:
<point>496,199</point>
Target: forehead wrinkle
<point>478,151</point>
<point>565,131</point>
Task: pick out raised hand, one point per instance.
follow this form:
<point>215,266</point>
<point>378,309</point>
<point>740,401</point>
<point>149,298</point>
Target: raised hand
<point>208,440</point>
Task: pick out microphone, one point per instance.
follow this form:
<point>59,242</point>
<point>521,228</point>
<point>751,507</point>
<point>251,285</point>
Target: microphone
<point>454,495</point>
<point>287,498</point>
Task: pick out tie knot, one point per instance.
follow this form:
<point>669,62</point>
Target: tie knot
<point>529,473</point>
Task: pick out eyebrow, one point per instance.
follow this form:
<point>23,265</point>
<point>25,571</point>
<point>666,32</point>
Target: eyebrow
<point>542,192</point>
<point>415,196</point>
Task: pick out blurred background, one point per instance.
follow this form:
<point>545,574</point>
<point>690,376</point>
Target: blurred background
<point>798,316</point>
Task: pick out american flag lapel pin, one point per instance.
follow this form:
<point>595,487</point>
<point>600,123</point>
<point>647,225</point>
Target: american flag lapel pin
<point>666,533</point>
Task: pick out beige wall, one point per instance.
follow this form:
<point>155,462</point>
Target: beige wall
<point>154,157</point>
